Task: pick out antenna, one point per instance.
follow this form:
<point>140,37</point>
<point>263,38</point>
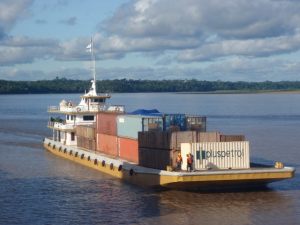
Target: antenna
<point>93,60</point>
<point>90,48</point>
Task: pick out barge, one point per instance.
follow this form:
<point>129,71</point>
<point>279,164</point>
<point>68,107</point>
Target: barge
<point>142,147</point>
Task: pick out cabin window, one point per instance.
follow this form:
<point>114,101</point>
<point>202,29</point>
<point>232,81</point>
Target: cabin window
<point>99,100</point>
<point>88,118</point>
<point>67,117</point>
<point>72,136</point>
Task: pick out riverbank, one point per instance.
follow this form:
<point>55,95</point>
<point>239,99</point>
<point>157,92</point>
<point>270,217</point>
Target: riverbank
<point>245,92</point>
<point>63,85</point>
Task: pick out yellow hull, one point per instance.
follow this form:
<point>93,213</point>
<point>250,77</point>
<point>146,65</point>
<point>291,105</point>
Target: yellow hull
<point>151,177</point>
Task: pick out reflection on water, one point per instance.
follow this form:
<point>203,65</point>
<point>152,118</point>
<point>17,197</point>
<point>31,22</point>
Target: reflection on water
<point>37,187</point>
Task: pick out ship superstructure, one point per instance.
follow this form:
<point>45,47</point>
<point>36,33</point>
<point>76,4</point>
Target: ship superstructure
<point>84,113</point>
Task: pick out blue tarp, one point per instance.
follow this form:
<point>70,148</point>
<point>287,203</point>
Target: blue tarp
<point>146,112</point>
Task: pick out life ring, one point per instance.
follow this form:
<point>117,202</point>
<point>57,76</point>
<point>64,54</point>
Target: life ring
<point>78,109</point>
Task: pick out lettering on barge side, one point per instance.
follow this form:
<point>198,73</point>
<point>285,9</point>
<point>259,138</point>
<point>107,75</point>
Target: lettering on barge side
<point>206,154</point>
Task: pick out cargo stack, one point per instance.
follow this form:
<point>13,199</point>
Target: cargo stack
<point>117,134</point>
<point>159,149</point>
<point>128,127</point>
<point>86,137</point>
<point>151,140</point>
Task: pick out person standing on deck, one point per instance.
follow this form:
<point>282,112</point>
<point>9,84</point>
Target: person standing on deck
<point>189,162</point>
<point>178,161</point>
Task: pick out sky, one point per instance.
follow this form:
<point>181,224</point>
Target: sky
<point>232,40</point>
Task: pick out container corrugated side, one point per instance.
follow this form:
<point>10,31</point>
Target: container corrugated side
<point>165,139</point>
<point>86,143</point>
<point>155,139</point>
<point>129,125</point>
<point>107,144</point>
<point>218,155</point>
<point>155,158</point>
<point>212,136</point>
<point>183,137</point>
<point>128,149</point>
<point>106,123</point>
<point>230,138</point>
<point>85,131</point>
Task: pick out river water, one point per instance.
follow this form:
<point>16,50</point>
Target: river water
<point>37,187</point>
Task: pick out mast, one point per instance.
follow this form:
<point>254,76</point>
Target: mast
<point>90,48</point>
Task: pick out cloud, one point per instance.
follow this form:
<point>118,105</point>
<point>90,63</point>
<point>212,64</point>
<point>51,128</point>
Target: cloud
<point>19,50</point>
<point>250,48</point>
<point>69,21</point>
<point>190,18</point>
<point>11,12</point>
<point>201,30</point>
<point>233,37</point>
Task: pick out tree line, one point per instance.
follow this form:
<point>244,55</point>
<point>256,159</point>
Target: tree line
<point>63,85</point>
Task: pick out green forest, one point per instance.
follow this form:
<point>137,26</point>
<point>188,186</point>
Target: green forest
<point>63,85</point>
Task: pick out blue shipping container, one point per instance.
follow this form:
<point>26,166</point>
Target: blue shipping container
<point>129,125</point>
<point>178,120</point>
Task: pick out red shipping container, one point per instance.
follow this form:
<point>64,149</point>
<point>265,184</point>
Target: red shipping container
<point>128,149</point>
<point>107,144</point>
<point>106,123</point>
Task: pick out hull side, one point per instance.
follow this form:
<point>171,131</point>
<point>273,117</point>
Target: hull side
<point>142,176</point>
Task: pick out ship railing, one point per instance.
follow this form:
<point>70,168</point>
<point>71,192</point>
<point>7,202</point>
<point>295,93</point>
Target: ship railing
<point>53,108</point>
<point>116,108</point>
<point>63,126</point>
<point>61,109</point>
<point>51,124</point>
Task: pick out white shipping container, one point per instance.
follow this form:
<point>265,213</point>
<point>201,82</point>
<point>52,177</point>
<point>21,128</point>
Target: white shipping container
<point>217,155</point>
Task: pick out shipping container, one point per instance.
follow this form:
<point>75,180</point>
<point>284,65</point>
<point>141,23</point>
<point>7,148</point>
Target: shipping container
<point>230,138</point>
<point>86,143</point>
<point>213,136</point>
<point>165,139</point>
<point>128,149</point>
<point>174,120</point>
<point>155,158</point>
<point>155,139</point>
<point>106,123</point>
<point>217,155</point>
<point>183,137</point>
<point>86,131</point>
<point>107,144</point>
<point>129,125</point>
<point>197,123</point>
